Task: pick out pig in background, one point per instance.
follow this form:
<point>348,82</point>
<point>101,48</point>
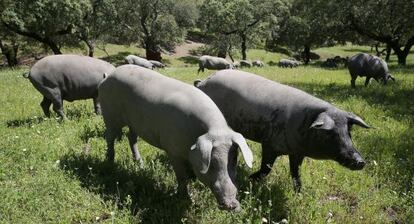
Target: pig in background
<point>68,77</point>
<point>363,64</point>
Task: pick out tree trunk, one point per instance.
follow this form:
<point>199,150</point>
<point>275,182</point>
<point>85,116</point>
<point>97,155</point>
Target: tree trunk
<point>10,52</point>
<point>402,58</point>
<point>306,52</point>
<point>53,46</point>
<point>151,50</point>
<point>401,54</point>
<point>243,46</point>
<point>388,53</point>
<point>91,47</point>
<point>222,52</point>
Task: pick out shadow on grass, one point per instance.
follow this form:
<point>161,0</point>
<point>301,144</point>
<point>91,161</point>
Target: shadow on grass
<point>189,60</point>
<point>116,183</point>
<point>271,198</point>
<point>360,50</point>
<point>117,59</point>
<point>77,113</point>
<point>404,69</point>
<point>25,122</point>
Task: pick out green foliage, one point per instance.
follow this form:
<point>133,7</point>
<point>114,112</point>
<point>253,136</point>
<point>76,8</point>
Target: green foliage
<point>49,22</point>
<point>53,172</point>
<point>309,24</point>
<point>155,24</point>
<point>388,22</point>
<point>236,23</point>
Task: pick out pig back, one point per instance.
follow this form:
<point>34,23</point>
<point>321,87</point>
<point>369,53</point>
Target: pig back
<point>75,77</point>
<point>257,107</point>
<point>162,111</point>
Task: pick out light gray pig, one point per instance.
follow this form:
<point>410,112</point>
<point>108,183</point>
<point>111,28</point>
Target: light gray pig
<point>213,63</point>
<point>363,64</point>
<point>179,119</point>
<point>258,63</point>
<point>285,120</point>
<point>157,64</point>
<point>68,77</point>
<point>135,60</point>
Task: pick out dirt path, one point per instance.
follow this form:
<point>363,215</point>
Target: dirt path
<point>184,49</point>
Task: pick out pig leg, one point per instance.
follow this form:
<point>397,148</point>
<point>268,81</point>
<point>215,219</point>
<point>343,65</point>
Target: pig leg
<point>110,136</point>
<point>268,158</point>
<point>353,78</point>
<point>182,174</point>
<point>97,106</point>
<point>58,107</point>
<point>295,162</point>
<point>132,138</point>
<point>45,104</point>
<point>200,69</point>
<point>367,81</point>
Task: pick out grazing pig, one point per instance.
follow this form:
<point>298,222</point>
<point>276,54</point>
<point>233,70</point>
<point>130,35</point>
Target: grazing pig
<point>245,63</point>
<point>157,64</point>
<point>213,63</point>
<point>258,63</point>
<point>284,63</point>
<point>179,119</point>
<point>68,77</point>
<point>285,120</point>
<point>135,60</point>
<point>370,66</point>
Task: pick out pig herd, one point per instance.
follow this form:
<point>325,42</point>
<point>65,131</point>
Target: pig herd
<point>203,127</point>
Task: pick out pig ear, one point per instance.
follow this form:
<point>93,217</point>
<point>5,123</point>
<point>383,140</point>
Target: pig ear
<point>353,119</point>
<point>200,154</point>
<point>323,121</point>
<point>244,148</point>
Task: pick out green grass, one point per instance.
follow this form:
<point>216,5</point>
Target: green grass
<point>53,172</point>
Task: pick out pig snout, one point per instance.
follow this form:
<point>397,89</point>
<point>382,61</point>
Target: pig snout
<point>358,163</point>
<point>230,205</point>
<point>352,161</point>
<point>225,193</point>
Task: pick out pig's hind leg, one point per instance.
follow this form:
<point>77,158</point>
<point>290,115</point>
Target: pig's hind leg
<point>45,104</point>
<point>133,139</point>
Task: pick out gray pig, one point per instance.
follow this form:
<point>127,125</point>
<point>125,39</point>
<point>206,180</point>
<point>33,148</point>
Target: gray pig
<point>285,120</point>
<point>179,119</point>
<point>157,64</point>
<point>284,63</point>
<point>68,77</point>
<point>135,60</point>
<point>245,63</point>
<point>258,63</point>
<point>213,63</point>
<point>370,66</point>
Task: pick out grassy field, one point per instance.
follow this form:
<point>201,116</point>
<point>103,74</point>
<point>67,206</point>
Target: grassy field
<point>53,172</point>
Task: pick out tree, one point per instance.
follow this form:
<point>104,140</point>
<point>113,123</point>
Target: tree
<point>9,45</point>
<point>308,25</point>
<point>99,20</point>
<point>241,21</point>
<point>154,24</point>
<point>389,22</point>
<point>48,21</point>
